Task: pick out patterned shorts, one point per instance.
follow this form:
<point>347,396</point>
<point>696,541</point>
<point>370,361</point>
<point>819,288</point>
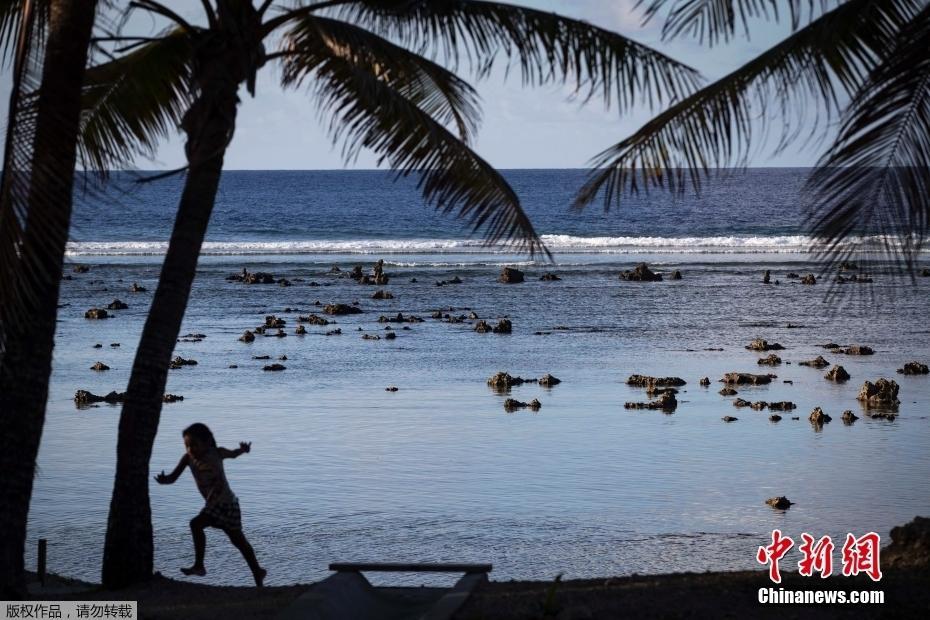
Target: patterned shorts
<point>225,515</point>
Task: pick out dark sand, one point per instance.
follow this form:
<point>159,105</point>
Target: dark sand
<point>164,598</point>
<point>693,595</point>
<point>685,595</point>
<point>905,583</point>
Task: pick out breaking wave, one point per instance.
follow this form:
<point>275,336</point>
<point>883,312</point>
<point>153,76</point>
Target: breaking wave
<point>562,244</point>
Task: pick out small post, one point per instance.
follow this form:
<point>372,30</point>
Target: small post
<point>41,568</point>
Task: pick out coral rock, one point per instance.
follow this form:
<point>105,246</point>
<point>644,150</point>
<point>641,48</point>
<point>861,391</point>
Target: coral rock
<point>340,309</point>
<point>666,402</point>
<point>96,313</point>
<point>179,361</point>
<point>818,417</point>
<point>849,417</point>
<point>641,273</point>
<point>512,405</point>
<point>504,326</point>
<point>781,502</point>
<point>914,368</point>
<point>817,362</point>
<point>882,392</point>
<point>509,275</point>
<point>837,373</point>
<point>548,380</point>
<point>745,378</point>
<point>856,349</point>
<point>760,344</point>
<point>653,382</point>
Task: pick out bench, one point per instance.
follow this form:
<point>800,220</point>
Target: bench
<point>347,594</point>
<point>395,567</point>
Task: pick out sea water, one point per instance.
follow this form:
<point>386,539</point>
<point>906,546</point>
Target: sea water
<point>343,470</point>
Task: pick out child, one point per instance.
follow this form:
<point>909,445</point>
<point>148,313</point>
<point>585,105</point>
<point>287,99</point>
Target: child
<point>222,508</point>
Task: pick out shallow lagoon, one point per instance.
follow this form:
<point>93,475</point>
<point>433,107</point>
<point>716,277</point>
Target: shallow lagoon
<point>438,471</point>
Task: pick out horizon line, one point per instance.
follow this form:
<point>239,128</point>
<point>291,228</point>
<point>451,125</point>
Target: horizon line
<point>735,168</point>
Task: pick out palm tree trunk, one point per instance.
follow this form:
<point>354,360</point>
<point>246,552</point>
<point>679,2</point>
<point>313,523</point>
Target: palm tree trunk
<point>27,361</point>
<point>209,125</point>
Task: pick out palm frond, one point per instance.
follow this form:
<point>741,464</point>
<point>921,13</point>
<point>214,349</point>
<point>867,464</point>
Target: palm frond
<point>545,47</point>
<point>874,183</point>
<point>434,89</point>
<point>12,13</point>
<point>371,106</point>
<point>134,100</point>
<point>22,24</point>
<point>803,75</point>
<point>715,21</point>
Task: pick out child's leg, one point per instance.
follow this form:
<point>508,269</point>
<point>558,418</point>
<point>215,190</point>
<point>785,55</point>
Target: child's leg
<point>237,538</point>
<point>198,524</point>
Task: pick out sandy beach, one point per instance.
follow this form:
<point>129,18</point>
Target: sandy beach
<point>902,587</point>
<point>684,595</point>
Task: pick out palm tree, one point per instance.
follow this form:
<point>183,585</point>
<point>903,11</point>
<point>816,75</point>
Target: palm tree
<point>355,58</point>
<point>51,43</point>
<point>863,62</point>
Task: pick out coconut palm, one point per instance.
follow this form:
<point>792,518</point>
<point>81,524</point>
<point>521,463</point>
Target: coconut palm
<point>865,63</point>
<point>362,61</point>
<point>48,42</point>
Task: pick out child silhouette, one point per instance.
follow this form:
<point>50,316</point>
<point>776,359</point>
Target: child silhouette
<point>221,511</point>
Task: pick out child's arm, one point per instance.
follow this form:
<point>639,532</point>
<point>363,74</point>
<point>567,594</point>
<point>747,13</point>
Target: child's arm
<point>170,478</point>
<point>231,454</point>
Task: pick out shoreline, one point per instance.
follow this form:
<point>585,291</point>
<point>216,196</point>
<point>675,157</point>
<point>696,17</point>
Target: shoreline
<point>670,595</point>
<point>906,573</point>
<point>694,595</point>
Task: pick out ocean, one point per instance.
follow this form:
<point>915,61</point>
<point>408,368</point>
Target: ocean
<point>343,470</point>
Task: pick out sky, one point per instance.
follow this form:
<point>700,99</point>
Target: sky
<point>522,127</point>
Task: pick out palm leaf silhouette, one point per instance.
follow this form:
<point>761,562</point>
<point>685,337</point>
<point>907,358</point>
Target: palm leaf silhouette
<point>22,34</point>
<point>544,47</point>
<point>714,127</point>
<point>875,180</point>
<point>862,61</point>
<point>715,21</point>
<point>134,101</point>
<point>381,97</point>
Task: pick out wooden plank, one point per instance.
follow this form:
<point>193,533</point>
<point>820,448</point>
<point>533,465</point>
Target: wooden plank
<point>390,567</point>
